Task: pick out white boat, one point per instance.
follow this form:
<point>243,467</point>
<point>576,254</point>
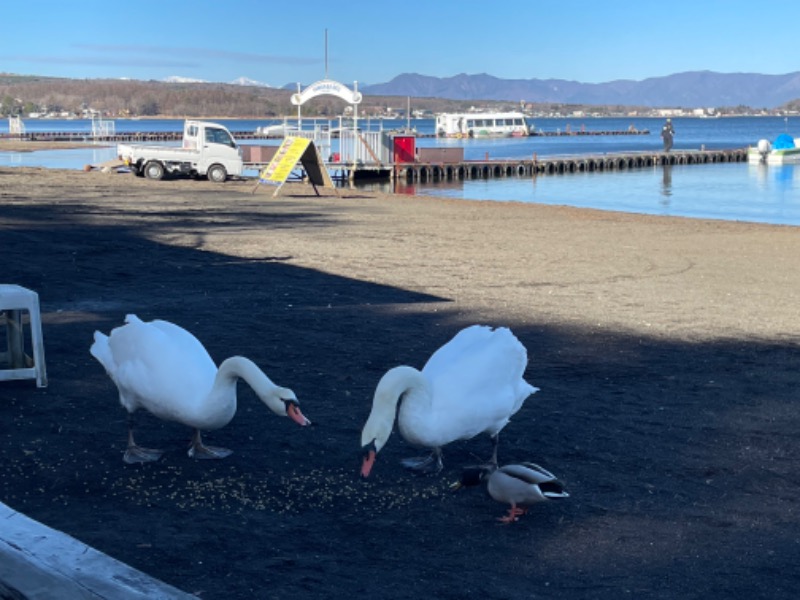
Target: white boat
<point>485,124</point>
<point>784,151</point>
<point>280,130</point>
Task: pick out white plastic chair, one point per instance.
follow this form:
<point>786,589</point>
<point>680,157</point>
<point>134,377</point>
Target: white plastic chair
<point>14,363</point>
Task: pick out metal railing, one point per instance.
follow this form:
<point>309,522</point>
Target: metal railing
<point>348,147</point>
<point>101,127</point>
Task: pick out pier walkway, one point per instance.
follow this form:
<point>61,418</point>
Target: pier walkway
<point>553,165</point>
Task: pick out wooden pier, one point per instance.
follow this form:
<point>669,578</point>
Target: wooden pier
<point>557,165</point>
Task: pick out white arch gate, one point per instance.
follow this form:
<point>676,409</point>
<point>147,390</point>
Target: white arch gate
<point>355,147</point>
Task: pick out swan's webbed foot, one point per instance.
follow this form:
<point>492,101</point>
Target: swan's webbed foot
<point>430,464</point>
<point>208,452</point>
<point>136,454</point>
<point>199,450</point>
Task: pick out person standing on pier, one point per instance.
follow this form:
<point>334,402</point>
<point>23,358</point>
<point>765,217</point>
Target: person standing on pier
<point>667,133</point>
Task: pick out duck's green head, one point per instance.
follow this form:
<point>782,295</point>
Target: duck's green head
<point>472,476</point>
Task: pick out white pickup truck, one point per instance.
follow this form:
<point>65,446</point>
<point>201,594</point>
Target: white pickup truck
<point>208,149</point>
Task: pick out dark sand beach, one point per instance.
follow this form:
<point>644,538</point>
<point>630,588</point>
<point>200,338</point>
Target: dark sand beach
<point>666,350</point>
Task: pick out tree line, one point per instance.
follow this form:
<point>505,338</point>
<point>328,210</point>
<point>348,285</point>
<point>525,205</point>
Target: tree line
<point>23,95</point>
<point>26,94</point>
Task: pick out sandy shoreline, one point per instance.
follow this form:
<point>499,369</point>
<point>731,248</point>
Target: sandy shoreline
<point>666,350</point>
<point>665,276</point>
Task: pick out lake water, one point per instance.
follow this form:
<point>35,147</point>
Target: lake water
<point>730,191</point>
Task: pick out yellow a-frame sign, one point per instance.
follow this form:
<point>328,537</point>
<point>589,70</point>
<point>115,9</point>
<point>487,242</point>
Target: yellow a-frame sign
<point>295,150</point>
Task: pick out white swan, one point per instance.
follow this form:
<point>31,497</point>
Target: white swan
<point>165,370</point>
<point>519,485</point>
<point>471,385</point>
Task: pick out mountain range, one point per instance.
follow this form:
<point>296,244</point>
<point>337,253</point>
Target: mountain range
<point>690,89</point>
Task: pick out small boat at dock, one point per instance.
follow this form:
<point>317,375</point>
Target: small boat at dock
<point>785,150</point>
<point>280,130</point>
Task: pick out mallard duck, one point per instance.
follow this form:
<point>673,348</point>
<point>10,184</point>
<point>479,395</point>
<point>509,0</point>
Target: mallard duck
<point>519,485</point>
<point>165,370</point>
<point>471,385</point>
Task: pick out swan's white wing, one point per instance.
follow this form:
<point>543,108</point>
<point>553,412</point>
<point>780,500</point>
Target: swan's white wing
<point>477,382</point>
<point>160,365</point>
<point>483,345</point>
<point>467,341</point>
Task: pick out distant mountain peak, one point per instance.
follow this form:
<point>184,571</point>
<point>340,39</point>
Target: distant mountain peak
<point>250,82</point>
<point>179,79</point>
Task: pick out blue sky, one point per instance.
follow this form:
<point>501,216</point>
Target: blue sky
<point>372,42</point>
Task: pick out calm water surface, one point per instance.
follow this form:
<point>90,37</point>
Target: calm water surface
<point>732,191</point>
<point>735,191</point>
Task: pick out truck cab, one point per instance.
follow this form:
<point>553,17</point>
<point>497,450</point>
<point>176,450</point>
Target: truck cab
<point>216,146</point>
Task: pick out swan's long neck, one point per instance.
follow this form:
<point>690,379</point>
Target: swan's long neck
<point>239,367</point>
<point>401,383</point>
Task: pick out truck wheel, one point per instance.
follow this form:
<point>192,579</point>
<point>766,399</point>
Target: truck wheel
<point>154,170</point>
<point>217,173</point>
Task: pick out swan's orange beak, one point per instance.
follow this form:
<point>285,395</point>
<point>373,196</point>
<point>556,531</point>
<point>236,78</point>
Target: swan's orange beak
<point>369,461</point>
<point>293,412</point>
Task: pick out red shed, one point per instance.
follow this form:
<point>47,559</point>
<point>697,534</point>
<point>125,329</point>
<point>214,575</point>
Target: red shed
<point>405,149</point>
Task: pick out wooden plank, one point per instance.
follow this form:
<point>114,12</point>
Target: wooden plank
<point>40,563</point>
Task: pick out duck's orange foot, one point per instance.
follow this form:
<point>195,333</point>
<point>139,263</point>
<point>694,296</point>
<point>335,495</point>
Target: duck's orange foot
<point>514,513</point>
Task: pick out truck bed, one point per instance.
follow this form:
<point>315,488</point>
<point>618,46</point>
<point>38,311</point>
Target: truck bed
<point>135,152</point>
